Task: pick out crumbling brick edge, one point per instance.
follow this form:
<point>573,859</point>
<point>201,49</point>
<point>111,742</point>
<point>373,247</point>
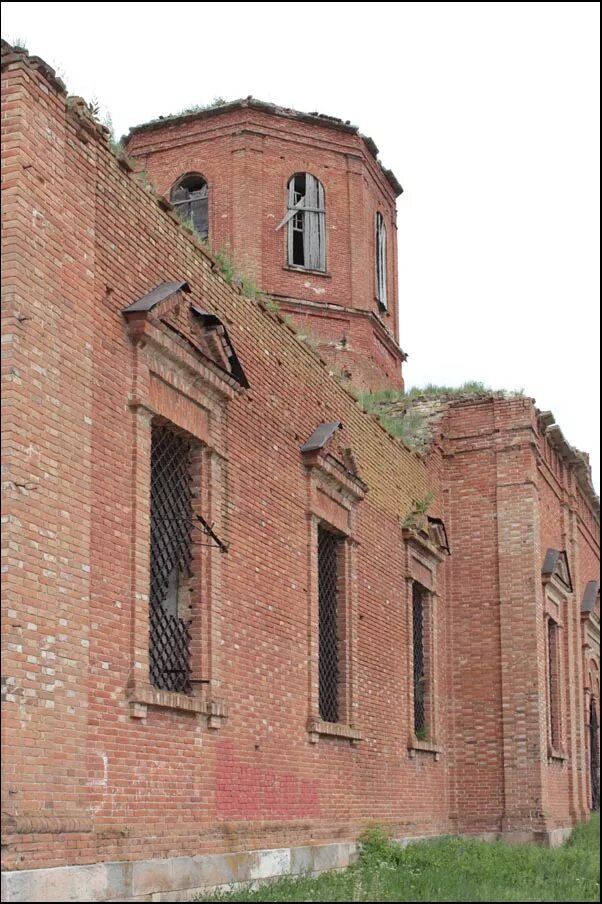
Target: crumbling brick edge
<point>184,878</point>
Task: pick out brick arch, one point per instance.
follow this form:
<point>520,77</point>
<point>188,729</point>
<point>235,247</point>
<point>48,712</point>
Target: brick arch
<point>188,175</point>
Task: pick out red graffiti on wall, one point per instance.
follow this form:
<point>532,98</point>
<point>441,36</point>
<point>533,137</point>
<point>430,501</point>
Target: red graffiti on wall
<point>244,791</point>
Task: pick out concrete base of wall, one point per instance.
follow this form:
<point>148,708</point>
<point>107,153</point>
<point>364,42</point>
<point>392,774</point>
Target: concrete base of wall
<point>552,838</point>
<point>171,879</point>
<point>184,878</point>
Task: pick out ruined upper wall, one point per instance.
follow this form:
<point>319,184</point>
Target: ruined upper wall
<point>434,418</point>
<point>317,121</point>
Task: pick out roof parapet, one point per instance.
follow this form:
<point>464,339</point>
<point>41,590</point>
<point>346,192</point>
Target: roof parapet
<point>318,119</point>
<point>573,457</point>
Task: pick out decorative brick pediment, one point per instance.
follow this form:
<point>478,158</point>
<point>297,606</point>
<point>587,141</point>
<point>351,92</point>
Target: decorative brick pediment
<point>326,453</point>
<point>556,569</point>
<point>170,310</point>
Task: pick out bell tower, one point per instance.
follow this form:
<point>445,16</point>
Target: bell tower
<point>303,205</point>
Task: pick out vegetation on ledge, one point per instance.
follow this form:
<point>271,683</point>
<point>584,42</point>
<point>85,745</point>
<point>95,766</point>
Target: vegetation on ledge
<point>406,413</point>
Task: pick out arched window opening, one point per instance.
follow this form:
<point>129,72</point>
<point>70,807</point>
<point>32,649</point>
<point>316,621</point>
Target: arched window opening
<point>190,197</point>
<point>305,217</point>
<point>381,261</point>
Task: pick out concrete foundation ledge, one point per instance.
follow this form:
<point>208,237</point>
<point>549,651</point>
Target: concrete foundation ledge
<point>173,878</point>
<point>184,878</point>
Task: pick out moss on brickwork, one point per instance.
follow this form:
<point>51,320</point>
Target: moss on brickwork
<point>408,414</point>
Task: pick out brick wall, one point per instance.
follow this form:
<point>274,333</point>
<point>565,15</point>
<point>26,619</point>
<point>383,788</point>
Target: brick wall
<point>100,766</point>
<point>508,497</point>
<point>247,155</point>
<point>84,779</point>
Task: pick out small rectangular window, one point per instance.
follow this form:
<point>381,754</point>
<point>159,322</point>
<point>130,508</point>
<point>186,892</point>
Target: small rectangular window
<point>329,581</point>
<point>171,516</point>
<point>419,651</point>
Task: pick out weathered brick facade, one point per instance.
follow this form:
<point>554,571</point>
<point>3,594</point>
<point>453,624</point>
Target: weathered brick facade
<point>127,788</point>
<point>248,151</point>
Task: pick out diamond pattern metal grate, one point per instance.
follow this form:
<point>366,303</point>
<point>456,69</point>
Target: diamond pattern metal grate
<point>328,588</point>
<point>553,696</point>
<point>419,672</point>
<point>171,553</point>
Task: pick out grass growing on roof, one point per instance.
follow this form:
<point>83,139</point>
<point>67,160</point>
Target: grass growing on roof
<point>452,869</point>
<point>408,423</point>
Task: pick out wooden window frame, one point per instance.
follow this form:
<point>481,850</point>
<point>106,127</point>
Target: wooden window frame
<point>201,194</point>
<point>306,215</point>
<point>381,261</point>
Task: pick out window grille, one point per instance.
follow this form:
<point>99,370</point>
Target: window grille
<point>190,198</point>
<point>329,653</point>
<point>418,607</point>
<point>594,754</point>
<point>381,261</point>
<point>553,684</point>
<point>171,554</point>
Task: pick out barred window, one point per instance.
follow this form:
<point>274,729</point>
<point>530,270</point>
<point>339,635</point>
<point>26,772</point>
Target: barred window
<point>554,684</point>
<point>171,516</point>
<point>190,197</point>
<point>594,754</point>
<point>329,581</point>
<point>381,261</point>
<point>419,594</point>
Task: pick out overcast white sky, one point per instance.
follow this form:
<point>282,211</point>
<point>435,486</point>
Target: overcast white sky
<point>488,113</point>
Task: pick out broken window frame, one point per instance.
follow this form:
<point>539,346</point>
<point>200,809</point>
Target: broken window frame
<point>306,223</point>
<point>381,261</point>
<point>194,207</point>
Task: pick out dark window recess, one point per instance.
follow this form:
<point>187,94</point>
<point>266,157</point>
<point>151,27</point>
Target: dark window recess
<point>594,754</point>
<point>553,684</point>
<point>381,261</point>
<point>329,654</point>
<point>190,198</point>
<point>306,224</point>
<point>418,601</point>
<point>171,554</point>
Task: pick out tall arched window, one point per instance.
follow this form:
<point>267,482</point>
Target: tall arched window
<point>305,217</point>
<point>381,261</point>
<point>190,197</point>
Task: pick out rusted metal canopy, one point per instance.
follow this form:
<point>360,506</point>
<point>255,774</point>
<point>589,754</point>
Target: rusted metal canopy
<point>592,589</point>
<point>160,293</point>
<point>320,436</point>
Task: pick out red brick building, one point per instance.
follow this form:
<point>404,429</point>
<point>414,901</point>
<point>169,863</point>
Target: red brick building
<point>301,202</point>
<point>233,631</point>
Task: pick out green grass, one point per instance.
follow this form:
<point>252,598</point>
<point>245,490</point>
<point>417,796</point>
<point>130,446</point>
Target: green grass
<point>393,407</point>
<point>454,869</point>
